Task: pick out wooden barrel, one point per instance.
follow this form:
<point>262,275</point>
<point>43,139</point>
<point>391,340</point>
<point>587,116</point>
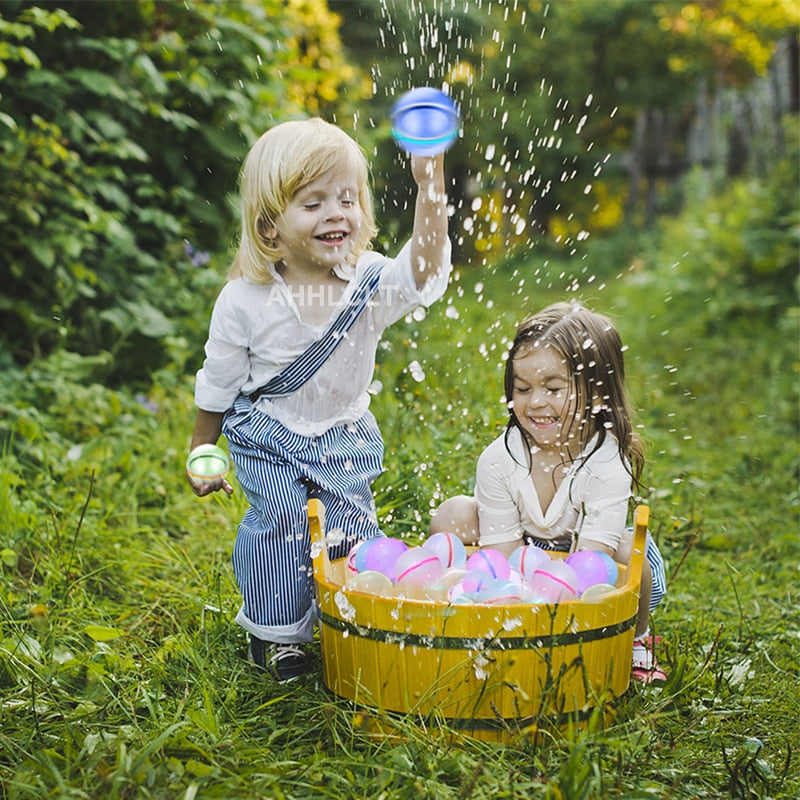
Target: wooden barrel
<point>490,671</point>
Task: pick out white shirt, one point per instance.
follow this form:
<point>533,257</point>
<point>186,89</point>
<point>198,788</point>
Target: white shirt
<point>592,500</point>
<point>256,331</point>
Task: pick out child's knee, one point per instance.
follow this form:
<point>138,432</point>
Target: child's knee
<point>458,515</point>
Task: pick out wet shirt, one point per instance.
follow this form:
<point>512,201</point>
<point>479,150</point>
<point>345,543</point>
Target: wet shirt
<point>256,331</point>
<point>592,500</point>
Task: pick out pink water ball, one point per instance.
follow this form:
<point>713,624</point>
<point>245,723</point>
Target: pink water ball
<point>468,589</point>
<point>449,548</point>
<point>543,590</point>
<point>590,567</point>
<point>381,554</point>
<point>516,577</point>
<point>456,592</point>
<point>490,561</point>
<point>527,557</point>
<point>418,565</point>
<point>352,569</point>
<point>555,579</point>
<point>474,580</point>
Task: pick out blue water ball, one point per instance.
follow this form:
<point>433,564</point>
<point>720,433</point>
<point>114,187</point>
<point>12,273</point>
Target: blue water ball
<point>425,121</point>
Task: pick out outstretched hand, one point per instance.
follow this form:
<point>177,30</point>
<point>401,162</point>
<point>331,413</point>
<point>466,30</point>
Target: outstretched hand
<point>203,488</point>
<point>428,169</point>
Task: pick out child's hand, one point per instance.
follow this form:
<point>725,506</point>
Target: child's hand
<point>202,488</point>
<point>428,170</point>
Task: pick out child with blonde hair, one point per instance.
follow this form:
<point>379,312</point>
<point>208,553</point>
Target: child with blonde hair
<point>561,474</point>
<point>290,356</point>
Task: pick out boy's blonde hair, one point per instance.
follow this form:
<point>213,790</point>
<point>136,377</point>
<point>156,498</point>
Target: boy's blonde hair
<point>284,160</point>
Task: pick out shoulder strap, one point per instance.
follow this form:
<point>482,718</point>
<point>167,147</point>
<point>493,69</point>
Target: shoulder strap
<point>293,376</point>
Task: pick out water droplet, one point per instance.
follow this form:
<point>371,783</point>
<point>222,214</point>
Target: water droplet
<point>346,608</point>
<point>417,373</point>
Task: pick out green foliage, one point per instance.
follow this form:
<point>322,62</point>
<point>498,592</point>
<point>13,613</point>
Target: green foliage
<point>549,92</point>
<point>121,134</point>
<point>122,671</point>
<point>122,127</point>
<point>750,236</point>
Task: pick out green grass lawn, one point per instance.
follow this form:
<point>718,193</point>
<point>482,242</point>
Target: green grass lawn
<point>123,675</point>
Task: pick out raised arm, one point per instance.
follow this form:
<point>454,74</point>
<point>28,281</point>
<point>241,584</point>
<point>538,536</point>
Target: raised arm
<point>429,236</point>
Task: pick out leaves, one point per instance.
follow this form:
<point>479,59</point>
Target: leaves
<point>121,133</point>
<point>102,633</point>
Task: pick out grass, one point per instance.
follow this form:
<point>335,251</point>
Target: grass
<point>121,670</point>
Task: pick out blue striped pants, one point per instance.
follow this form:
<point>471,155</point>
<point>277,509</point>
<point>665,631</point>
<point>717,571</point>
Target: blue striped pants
<point>656,561</point>
<point>279,471</point>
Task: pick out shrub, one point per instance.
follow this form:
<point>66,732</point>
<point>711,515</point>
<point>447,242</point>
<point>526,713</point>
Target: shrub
<point>121,130</point>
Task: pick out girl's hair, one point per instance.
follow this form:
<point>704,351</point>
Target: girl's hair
<point>591,346</point>
<point>283,161</point>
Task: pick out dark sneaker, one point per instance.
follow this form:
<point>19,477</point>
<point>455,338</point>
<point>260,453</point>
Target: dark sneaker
<point>284,662</point>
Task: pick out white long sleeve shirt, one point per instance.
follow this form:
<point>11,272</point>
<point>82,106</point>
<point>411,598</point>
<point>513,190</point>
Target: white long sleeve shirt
<point>256,330</point>
<point>592,500</point>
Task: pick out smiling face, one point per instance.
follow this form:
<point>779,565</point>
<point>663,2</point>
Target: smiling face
<point>320,224</point>
<point>543,398</point>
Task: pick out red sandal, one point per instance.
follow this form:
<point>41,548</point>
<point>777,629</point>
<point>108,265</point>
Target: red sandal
<point>644,667</point>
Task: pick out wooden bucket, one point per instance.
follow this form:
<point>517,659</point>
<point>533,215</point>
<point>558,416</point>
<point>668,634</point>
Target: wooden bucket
<point>492,672</point>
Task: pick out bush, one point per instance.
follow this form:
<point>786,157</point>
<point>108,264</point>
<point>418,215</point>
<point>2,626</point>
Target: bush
<point>122,127</point>
<point>742,241</point>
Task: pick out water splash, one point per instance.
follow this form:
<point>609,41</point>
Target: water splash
<point>346,608</point>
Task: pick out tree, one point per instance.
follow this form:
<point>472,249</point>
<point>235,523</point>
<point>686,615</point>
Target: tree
<point>550,91</point>
<point>122,127</point>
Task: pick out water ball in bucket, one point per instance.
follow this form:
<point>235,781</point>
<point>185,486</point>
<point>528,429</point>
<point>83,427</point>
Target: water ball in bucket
<point>449,548</point>
<point>543,590</point>
<point>597,591</point>
<point>381,554</point>
<point>444,583</point>
<point>557,577</point>
<point>425,121</point>
<point>432,592</point>
<point>351,565</point>
<point>611,566</point>
<point>370,582</point>
<point>470,585</point>
<point>451,576</point>
<point>499,592</point>
<point>207,462</point>
<point>590,567</point>
<point>490,561</point>
<point>417,565</point>
<point>526,558</point>
<point>463,599</point>
<point>516,577</point>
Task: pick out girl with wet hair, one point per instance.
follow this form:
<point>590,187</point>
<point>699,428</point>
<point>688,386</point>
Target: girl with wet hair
<point>562,473</point>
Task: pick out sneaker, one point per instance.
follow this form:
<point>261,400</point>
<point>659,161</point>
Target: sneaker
<point>284,662</point>
<point>644,666</point>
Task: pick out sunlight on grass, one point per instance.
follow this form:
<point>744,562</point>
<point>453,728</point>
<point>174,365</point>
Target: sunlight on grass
<point>124,676</point>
